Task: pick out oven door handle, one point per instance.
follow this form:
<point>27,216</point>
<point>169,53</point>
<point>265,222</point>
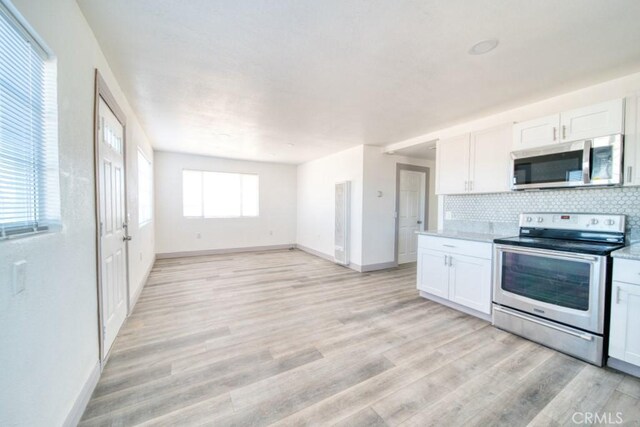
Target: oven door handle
<point>547,252</point>
<point>585,337</point>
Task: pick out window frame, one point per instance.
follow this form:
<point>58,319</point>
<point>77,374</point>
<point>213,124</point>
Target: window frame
<point>46,215</point>
<point>203,216</point>
<point>142,223</point>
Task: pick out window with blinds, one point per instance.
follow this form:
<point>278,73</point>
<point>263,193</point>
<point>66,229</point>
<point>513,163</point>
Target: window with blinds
<point>29,180</point>
<point>219,194</point>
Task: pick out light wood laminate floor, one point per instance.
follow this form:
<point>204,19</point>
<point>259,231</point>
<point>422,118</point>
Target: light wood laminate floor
<point>286,338</point>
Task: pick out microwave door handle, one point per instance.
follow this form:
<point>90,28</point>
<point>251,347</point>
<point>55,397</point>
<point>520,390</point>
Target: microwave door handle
<point>586,162</point>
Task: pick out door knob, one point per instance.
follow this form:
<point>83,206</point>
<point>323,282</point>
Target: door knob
<point>419,222</point>
<point>126,238</point>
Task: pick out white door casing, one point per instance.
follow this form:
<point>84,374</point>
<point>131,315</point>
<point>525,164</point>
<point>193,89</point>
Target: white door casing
<point>112,228</point>
<point>411,213</point>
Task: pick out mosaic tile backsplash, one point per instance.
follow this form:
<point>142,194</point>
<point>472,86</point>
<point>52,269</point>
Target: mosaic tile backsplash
<point>498,213</point>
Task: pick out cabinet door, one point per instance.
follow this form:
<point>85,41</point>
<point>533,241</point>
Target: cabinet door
<point>536,133</point>
<point>470,282</point>
<point>624,334</point>
<point>632,140</point>
<point>595,120</point>
<point>490,160</point>
<point>452,165</point>
<point>433,272</point>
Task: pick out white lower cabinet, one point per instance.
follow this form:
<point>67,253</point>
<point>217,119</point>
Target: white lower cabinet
<point>624,330</point>
<point>433,272</point>
<point>470,282</point>
<point>456,270</point>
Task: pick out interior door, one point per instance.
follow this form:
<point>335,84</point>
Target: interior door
<point>113,249</point>
<point>433,275</point>
<point>410,214</point>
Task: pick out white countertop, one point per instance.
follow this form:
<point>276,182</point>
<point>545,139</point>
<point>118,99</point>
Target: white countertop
<point>628,252</point>
<point>463,235</point>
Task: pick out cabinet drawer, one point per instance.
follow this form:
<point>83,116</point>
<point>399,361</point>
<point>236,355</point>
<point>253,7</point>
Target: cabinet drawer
<point>456,246</point>
<point>626,270</point>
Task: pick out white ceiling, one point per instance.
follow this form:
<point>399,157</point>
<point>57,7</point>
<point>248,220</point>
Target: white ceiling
<point>247,78</point>
<point>424,150</point>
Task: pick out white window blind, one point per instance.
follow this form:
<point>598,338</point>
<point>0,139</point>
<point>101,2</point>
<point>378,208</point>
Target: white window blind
<point>219,194</point>
<point>145,189</point>
<point>29,181</point>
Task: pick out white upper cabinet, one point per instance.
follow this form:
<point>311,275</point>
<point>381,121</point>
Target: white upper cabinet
<point>452,170</point>
<point>490,160</point>
<point>602,119</point>
<point>606,118</point>
<point>474,163</point>
<point>632,140</point>
<point>536,133</point>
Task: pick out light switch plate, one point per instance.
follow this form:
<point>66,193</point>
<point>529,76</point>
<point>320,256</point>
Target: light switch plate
<point>19,276</point>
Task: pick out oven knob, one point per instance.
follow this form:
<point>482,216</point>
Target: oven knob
<point>594,221</point>
<point>529,219</point>
<point>540,219</point>
<point>609,222</point>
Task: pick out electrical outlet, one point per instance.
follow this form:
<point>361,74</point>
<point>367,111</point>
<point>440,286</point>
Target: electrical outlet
<point>271,233</point>
<point>448,215</point>
<point>19,276</point>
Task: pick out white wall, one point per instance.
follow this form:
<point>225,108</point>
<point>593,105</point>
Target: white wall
<point>49,332</point>
<point>612,89</point>
<point>378,219</point>
<point>316,201</point>
<point>276,224</point>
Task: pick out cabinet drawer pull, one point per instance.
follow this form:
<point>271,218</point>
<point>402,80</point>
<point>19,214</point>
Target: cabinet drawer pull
<point>554,133</point>
<point>564,132</point>
<point>448,246</point>
<point>617,294</point>
<point>629,173</point>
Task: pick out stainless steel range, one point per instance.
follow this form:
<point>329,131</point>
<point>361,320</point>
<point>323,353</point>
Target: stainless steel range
<point>552,283</point>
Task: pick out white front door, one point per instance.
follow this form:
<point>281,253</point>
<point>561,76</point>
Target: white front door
<point>112,229</point>
<point>410,214</point>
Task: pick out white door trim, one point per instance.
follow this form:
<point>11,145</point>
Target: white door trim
<point>103,92</point>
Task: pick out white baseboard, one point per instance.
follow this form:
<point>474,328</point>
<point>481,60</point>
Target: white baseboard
<point>135,298</point>
<point>74,416</point>
<point>314,252</point>
<point>379,266</point>
<point>353,266</point>
<point>223,251</point>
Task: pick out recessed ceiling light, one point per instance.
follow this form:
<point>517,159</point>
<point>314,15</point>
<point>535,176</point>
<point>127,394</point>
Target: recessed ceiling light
<point>483,47</point>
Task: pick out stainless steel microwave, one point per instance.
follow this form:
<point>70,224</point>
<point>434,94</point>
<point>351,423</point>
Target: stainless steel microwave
<point>590,162</point>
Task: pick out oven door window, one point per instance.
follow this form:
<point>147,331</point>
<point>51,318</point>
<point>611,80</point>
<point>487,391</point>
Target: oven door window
<point>564,283</point>
<point>559,167</point>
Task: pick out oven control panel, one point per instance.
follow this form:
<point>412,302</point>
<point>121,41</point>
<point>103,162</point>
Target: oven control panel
<point>574,221</point>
